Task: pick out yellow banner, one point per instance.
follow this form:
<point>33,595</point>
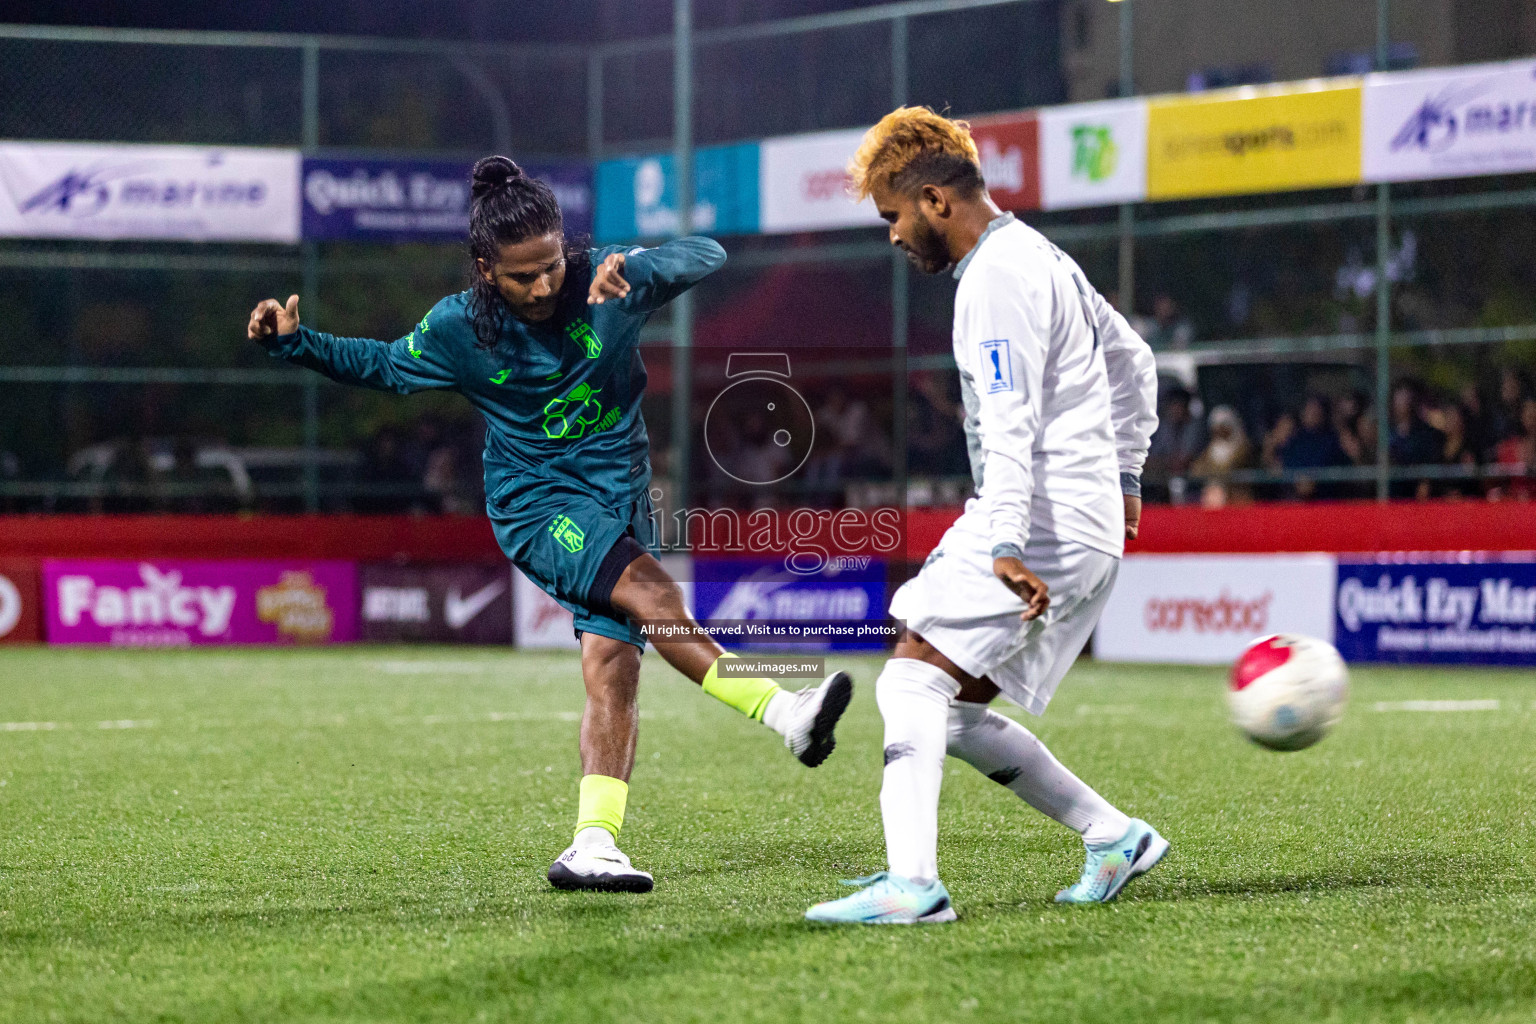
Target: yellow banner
<point>1254,139</point>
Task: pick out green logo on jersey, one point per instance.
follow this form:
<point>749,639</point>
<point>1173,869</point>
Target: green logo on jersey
<point>410,341</point>
<point>567,533</point>
<point>577,413</point>
<point>501,378</point>
<point>1094,153</point>
<point>582,334</point>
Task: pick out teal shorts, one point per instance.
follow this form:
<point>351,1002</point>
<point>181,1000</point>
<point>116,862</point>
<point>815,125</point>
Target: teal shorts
<point>559,539</point>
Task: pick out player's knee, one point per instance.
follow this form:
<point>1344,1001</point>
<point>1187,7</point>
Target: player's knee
<point>905,681</point>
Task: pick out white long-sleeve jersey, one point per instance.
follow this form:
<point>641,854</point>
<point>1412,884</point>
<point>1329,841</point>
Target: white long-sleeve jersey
<point>1060,393</point>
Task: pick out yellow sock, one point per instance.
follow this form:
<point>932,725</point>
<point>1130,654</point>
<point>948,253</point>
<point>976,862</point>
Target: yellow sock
<point>750,696</point>
<point>602,803</point>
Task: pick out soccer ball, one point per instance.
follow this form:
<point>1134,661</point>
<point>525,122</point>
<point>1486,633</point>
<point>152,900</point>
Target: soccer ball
<point>1287,691</point>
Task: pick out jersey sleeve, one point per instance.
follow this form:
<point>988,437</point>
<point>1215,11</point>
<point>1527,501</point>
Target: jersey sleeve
<point>1002,345</point>
<point>657,276</point>
<point>417,362</point>
<point>1132,371</point>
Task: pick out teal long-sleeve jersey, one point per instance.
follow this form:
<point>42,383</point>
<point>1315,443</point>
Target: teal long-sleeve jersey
<point>561,399</point>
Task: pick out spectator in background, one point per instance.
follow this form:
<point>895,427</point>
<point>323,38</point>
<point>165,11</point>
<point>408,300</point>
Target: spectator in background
<point>1275,439</point>
<point>1169,329</point>
<point>1504,416</point>
<point>451,475</point>
<point>1457,451</point>
<point>386,467</point>
<point>1516,453</point>
<point>1228,450</point>
<point>1366,435</point>
<point>1178,440</point>
<point>1312,445</point>
<point>935,437</point>
<point>1413,441</point>
<point>1475,422</point>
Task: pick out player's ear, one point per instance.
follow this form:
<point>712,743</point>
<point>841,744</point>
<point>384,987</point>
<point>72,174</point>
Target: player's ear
<point>934,199</point>
<point>485,270</point>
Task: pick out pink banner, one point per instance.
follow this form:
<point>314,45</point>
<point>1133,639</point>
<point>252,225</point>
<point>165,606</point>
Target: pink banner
<point>177,604</point>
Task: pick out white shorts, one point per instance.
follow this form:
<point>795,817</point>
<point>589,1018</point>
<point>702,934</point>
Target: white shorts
<point>957,605</point>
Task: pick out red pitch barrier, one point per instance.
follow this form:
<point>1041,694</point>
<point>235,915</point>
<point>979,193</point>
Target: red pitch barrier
<point>1334,526</point>
<point>1321,526</point>
<point>354,538</point>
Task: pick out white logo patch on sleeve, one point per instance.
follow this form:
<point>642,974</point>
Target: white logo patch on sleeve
<point>996,366</point>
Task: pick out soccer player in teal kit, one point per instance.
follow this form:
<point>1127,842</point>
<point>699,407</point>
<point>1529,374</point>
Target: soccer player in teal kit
<point>545,344</point>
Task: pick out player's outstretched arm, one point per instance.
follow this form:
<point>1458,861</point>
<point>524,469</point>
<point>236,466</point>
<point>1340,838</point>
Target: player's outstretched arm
<point>650,278</point>
<point>418,361</point>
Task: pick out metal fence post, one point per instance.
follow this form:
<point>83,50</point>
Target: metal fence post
<point>1383,292</point>
<point>311,286</point>
<point>595,105</point>
<point>900,293</point>
<point>682,306</point>
<point>1127,255</point>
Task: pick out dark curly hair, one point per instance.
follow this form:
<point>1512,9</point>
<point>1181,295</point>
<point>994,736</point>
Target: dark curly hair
<point>506,207</point>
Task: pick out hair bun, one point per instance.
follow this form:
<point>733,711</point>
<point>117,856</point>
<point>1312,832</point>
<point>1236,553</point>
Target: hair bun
<point>492,173</point>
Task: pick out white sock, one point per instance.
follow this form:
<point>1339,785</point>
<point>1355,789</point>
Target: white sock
<point>914,699</point>
<point>594,835</point>
<point>1009,754</point>
<point>776,714</point>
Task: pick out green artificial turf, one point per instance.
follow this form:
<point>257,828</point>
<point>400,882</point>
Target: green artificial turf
<point>361,834</point>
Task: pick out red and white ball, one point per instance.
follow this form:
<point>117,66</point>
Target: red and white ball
<point>1287,691</point>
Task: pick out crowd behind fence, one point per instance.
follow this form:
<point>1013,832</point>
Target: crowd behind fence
<point>128,387</point>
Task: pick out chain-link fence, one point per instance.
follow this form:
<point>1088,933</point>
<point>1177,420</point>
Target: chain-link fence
<point>125,362</point>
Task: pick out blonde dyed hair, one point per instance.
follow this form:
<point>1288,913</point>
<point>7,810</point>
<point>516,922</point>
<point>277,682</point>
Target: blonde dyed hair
<point>908,136</point>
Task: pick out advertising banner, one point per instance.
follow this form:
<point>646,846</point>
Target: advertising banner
<point>419,200</point>
<point>1009,147</point>
<point>21,618</point>
<point>1450,122</point>
<point>1204,609</point>
<point>1476,613</point>
<point>1093,154</point>
<point>734,594</point>
<point>538,620</point>
<point>469,604</point>
<point>637,196</point>
<point>184,193</point>
<point>805,183</point>
<point>177,604</point>
<point>1268,138</point>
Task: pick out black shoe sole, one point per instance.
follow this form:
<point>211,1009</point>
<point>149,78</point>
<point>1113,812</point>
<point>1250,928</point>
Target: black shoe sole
<point>839,693</point>
<point>562,877</point>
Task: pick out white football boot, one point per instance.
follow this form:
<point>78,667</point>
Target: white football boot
<point>807,723</point>
<point>599,867</point>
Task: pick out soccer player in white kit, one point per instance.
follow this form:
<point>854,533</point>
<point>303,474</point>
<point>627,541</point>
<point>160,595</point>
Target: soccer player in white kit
<point>1060,398</point>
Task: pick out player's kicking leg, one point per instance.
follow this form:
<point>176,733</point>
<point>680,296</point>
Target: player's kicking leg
<point>807,719</point>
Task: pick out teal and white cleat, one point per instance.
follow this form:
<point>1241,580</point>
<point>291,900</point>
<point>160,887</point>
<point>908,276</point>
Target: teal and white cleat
<point>887,899</point>
<point>1110,866</point>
